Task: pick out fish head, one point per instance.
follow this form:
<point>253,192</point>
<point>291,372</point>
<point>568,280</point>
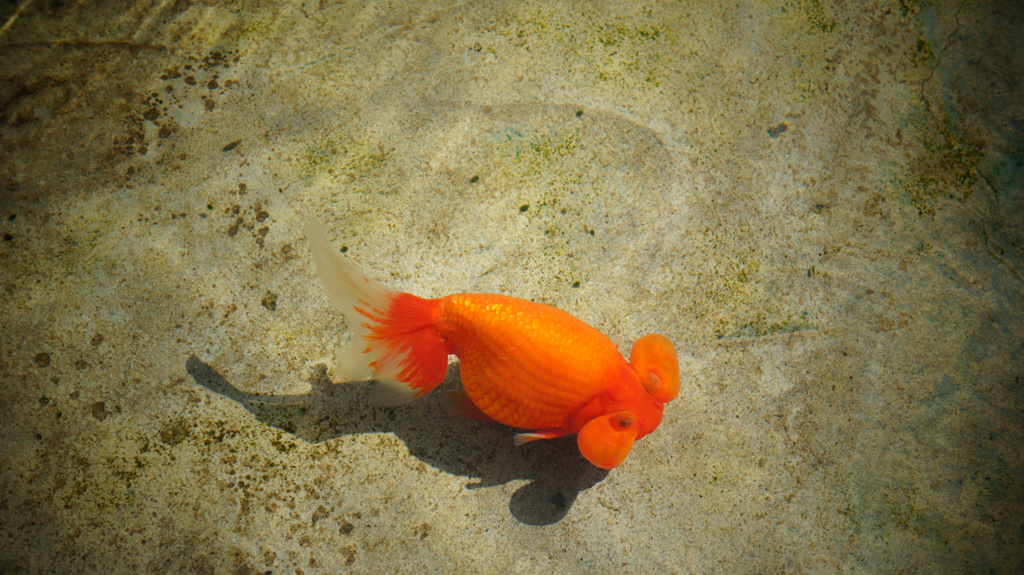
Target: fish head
<point>633,410</point>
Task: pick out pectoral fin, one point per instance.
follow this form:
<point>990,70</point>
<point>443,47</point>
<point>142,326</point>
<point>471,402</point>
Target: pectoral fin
<point>522,438</point>
<point>457,401</point>
<point>605,441</point>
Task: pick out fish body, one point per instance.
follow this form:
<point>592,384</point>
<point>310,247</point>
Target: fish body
<point>523,364</point>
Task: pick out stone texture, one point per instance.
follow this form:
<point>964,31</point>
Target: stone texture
<point>820,204</point>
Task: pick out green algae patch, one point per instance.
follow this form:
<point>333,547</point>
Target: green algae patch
<point>632,51</point>
<point>763,326</point>
<point>553,196</point>
<point>549,147</point>
<point>543,164</point>
<point>945,166</point>
<point>815,15</point>
<point>747,298</point>
<point>175,432</point>
<point>318,158</point>
<point>346,161</point>
<point>922,54</point>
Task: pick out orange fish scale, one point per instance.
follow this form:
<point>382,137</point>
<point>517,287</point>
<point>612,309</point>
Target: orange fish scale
<point>526,364</point>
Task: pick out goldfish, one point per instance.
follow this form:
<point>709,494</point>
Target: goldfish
<point>523,364</point>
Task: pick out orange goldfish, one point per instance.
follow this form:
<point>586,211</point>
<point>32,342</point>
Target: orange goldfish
<point>523,364</point>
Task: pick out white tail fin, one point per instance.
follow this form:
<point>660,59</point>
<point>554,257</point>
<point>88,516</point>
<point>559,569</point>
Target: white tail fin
<point>393,336</point>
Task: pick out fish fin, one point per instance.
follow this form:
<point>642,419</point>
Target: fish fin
<point>522,438</point>
<point>458,402</point>
<point>390,392</point>
<point>347,287</point>
<point>395,339</point>
<point>617,341</point>
<point>606,441</point>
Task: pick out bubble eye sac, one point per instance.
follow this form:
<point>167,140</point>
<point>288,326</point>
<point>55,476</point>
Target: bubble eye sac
<point>654,359</point>
<point>606,441</point>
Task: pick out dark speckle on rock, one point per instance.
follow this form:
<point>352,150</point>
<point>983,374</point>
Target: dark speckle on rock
<point>175,432</point>
<point>99,410</point>
<point>269,301</point>
<point>777,130</point>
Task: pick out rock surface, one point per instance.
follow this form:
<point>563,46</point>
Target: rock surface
<point>821,206</point>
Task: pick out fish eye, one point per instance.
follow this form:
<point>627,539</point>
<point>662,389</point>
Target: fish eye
<point>623,421</point>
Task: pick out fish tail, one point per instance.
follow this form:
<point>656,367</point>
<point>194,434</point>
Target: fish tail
<point>395,339</point>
